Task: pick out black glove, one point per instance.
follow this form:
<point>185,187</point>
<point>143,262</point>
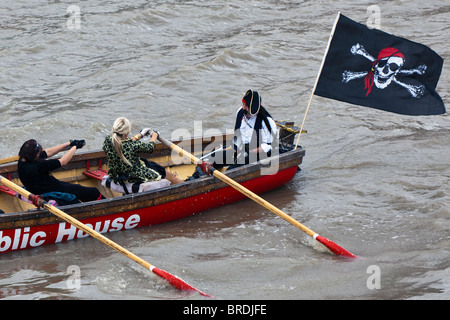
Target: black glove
<point>77,143</point>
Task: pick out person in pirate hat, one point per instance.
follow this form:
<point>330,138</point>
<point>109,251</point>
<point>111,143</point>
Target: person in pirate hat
<point>254,130</point>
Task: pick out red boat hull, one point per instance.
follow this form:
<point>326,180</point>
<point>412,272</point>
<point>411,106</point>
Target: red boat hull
<point>34,236</point>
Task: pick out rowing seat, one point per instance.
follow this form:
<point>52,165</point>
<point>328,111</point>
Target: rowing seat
<point>102,175</point>
<point>96,174</point>
<point>7,190</point>
<point>13,193</point>
<point>146,186</point>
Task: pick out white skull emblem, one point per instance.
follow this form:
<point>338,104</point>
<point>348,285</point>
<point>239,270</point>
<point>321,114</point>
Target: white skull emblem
<point>386,69</point>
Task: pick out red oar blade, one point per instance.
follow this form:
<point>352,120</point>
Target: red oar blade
<point>177,282</point>
<point>334,247</point>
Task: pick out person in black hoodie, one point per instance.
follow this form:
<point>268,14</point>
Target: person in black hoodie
<point>35,173</point>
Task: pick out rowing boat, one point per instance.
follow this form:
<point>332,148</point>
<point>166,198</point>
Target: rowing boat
<point>23,226</point>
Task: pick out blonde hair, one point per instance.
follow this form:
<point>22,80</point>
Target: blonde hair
<point>121,127</point>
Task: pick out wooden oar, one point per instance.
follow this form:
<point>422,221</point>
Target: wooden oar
<point>8,160</point>
<point>15,158</point>
<point>326,242</point>
<point>173,280</point>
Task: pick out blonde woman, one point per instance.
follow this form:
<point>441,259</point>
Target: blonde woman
<point>123,152</point>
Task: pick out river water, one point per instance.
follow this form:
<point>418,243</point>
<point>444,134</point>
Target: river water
<point>375,183</point>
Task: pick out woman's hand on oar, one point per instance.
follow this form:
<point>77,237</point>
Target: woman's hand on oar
<point>39,202</point>
<point>326,242</point>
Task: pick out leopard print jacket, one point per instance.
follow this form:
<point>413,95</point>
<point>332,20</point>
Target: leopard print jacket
<point>138,172</point>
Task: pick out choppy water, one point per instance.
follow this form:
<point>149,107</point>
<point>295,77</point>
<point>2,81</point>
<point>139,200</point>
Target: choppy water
<point>376,183</point>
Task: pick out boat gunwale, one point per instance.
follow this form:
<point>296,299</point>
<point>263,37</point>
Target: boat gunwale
<point>146,199</point>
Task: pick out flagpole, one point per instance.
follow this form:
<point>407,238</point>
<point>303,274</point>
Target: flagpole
<point>318,76</point>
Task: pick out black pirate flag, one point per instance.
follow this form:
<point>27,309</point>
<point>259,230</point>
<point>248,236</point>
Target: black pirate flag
<point>378,70</point>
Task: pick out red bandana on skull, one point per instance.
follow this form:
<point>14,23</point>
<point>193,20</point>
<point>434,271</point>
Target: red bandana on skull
<point>384,54</point>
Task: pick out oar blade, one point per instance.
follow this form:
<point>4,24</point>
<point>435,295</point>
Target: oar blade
<point>173,280</point>
<point>328,243</point>
<point>177,282</point>
<point>336,249</point>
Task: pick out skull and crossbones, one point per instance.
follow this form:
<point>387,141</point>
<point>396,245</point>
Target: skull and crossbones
<point>384,70</point>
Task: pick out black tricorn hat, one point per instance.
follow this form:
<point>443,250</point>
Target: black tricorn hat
<point>253,101</point>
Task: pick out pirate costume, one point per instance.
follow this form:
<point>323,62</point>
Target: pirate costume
<point>253,128</point>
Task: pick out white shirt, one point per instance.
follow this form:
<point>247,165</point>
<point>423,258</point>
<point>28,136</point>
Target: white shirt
<point>265,139</point>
